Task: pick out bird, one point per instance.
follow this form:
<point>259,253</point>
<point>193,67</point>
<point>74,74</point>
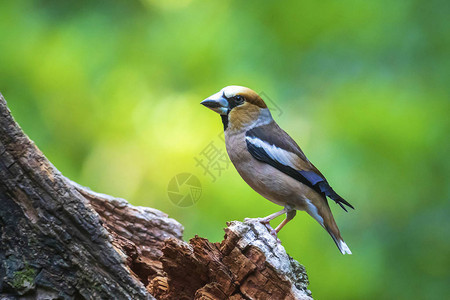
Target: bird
<point>272,163</point>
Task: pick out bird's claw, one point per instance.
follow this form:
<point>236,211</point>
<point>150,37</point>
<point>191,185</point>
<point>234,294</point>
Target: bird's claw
<point>274,233</point>
<point>260,220</point>
<point>266,223</point>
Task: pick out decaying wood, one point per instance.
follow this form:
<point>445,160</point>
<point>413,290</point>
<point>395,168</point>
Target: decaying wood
<point>59,240</point>
<point>247,264</point>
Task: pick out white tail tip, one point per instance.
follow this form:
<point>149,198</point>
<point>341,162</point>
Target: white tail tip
<point>344,248</point>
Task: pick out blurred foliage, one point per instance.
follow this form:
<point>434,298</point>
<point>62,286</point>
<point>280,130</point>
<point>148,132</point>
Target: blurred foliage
<point>110,92</point>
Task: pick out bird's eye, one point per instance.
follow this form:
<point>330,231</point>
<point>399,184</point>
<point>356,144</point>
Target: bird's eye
<point>239,98</point>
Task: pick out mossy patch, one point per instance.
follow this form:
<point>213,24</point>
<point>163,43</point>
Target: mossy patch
<point>24,279</point>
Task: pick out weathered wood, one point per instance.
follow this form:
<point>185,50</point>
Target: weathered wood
<point>61,240</point>
<point>248,264</point>
<point>52,241</point>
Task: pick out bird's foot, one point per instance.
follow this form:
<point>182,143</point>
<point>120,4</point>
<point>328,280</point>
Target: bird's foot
<point>260,220</point>
<point>274,233</point>
<point>266,223</point>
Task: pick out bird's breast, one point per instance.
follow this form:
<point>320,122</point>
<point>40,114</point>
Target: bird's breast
<point>263,178</point>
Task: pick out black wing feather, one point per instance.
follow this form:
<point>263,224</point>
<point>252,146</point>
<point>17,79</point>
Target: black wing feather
<point>309,178</point>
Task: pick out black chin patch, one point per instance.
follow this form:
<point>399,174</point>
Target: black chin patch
<point>225,120</point>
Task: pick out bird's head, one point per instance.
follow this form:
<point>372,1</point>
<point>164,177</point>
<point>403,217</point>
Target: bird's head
<point>233,96</point>
<point>237,105</point>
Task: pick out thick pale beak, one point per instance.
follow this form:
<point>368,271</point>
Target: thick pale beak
<point>217,103</point>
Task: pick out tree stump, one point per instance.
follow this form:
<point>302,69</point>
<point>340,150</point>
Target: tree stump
<point>59,240</point>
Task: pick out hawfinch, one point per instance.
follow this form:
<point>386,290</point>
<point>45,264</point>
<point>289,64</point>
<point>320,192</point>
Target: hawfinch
<point>271,163</point>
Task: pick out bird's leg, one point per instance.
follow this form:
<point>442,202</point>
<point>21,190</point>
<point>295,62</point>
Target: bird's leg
<point>266,221</point>
<point>289,216</point>
<point>269,218</point>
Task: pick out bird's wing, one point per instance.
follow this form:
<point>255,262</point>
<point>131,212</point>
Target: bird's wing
<point>272,145</point>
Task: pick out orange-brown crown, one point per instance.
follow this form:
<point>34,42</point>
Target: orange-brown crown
<point>249,95</point>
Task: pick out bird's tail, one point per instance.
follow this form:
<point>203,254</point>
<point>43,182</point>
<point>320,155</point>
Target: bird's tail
<point>332,228</point>
<point>335,234</point>
<point>320,210</point>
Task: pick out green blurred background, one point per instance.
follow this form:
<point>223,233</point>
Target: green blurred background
<point>110,93</point>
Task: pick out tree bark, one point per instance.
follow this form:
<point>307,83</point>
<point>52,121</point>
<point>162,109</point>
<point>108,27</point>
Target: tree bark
<point>59,240</point>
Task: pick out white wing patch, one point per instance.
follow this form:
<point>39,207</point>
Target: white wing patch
<point>280,155</point>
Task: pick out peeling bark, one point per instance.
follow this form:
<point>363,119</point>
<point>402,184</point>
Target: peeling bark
<point>59,240</point>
